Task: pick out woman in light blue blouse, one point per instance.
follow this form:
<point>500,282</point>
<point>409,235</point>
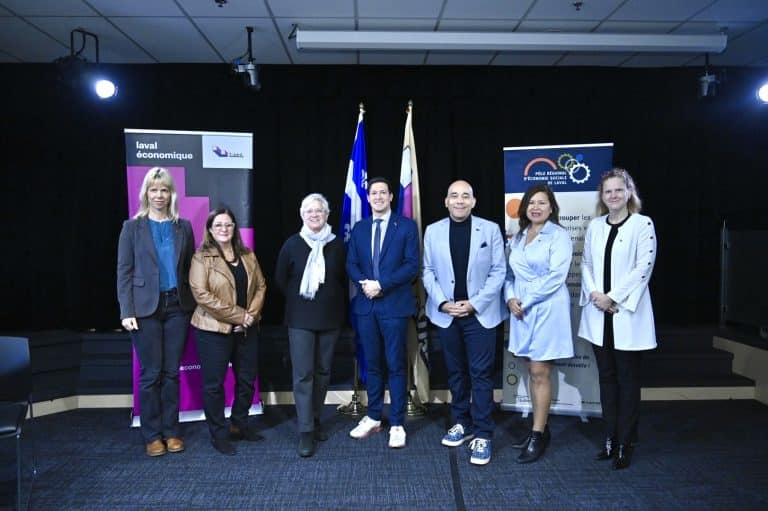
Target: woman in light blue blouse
<point>539,303</point>
<point>153,259</point>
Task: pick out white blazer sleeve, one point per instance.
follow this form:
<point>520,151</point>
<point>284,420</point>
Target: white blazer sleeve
<point>509,279</point>
<point>629,287</point>
<point>587,267</point>
<point>429,274</point>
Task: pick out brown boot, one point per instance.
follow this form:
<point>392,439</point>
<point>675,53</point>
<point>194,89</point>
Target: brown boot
<point>174,445</point>
<point>156,448</point>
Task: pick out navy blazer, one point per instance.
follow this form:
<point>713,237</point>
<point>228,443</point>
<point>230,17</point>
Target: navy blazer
<point>138,273</point>
<point>398,266</point>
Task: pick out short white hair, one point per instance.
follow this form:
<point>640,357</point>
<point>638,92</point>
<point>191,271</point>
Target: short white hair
<point>312,197</point>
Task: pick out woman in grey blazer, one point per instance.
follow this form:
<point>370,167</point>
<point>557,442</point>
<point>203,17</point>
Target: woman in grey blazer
<point>153,259</point>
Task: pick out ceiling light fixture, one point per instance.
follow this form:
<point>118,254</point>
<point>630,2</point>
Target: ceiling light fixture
<point>507,41</point>
<point>75,68</point>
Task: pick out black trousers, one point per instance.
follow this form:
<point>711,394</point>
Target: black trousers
<point>216,351</point>
<point>619,374</point>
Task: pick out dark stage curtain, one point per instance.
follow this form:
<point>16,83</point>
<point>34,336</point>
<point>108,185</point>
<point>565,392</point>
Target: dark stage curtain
<point>697,163</point>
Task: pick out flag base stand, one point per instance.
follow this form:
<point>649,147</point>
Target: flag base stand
<point>415,409</point>
<point>355,408</point>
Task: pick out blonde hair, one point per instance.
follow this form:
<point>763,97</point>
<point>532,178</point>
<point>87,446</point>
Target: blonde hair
<point>634,204</point>
<point>158,176</point>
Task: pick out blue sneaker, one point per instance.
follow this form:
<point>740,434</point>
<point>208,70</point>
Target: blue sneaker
<point>456,436</point>
<point>481,451</point>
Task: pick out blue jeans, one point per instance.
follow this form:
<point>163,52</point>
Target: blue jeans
<point>384,341</point>
<point>159,344</point>
<point>470,350</point>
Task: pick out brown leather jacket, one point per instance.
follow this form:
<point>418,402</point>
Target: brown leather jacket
<point>213,287</point>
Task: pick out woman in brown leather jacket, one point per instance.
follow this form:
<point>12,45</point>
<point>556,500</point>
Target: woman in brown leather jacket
<point>229,287</point>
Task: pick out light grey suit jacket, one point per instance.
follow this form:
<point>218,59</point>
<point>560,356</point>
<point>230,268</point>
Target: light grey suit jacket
<point>486,271</point>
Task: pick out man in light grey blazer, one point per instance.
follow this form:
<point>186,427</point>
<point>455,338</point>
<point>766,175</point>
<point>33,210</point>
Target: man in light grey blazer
<point>464,270</point>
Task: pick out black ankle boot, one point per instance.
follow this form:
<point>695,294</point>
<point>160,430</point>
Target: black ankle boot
<point>321,435</point>
<point>306,444</point>
<point>608,451</point>
<point>535,448</point>
<point>623,457</point>
<point>522,443</point>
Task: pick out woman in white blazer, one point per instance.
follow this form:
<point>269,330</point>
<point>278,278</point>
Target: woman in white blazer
<point>616,315</point>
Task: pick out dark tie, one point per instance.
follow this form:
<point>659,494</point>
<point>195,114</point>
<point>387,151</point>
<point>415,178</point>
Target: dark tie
<point>376,248</point>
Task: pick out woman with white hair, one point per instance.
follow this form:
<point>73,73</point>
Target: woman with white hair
<point>311,274</point>
<point>153,261</point>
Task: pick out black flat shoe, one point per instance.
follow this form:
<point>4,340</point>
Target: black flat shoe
<point>535,448</point>
<point>608,451</point>
<point>522,443</point>
<point>306,444</point>
<point>321,435</point>
<point>623,457</point>
<point>224,446</point>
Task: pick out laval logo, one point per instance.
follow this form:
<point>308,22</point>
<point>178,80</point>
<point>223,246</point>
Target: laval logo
<point>578,171</point>
<point>223,153</point>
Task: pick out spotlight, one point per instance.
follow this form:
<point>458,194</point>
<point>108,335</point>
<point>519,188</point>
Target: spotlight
<point>249,68</point>
<point>105,89</point>
<point>708,82</point>
<point>76,71</point>
<point>762,93</point>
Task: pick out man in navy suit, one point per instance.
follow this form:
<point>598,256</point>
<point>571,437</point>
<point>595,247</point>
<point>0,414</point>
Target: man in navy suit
<point>464,271</point>
<point>383,262</point>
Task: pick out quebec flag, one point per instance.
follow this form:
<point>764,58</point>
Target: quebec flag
<point>355,190</point>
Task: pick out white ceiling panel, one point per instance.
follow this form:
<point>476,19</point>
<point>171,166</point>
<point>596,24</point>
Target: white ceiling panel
<point>556,26</point>
<point>169,39</point>
<point>234,9</point>
<point>486,9</point>
<point>399,8</point>
<point>735,10</point>
<point>48,8</point>
<point>395,24</point>
<point>459,59</point>
<point>23,42</point>
<point>659,10</point>
<point>312,8</point>
<point>594,59</point>
<point>135,8</point>
<point>590,10</point>
<point>229,37</point>
<point>392,58</point>
<point>114,47</point>
<point>527,59</point>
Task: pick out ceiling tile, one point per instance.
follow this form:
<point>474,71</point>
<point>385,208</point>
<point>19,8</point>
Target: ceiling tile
<point>659,10</point>
<point>312,8</point>
<point>229,37</point>
<point>169,40</point>
<point>733,29</point>
<point>48,7</point>
<point>556,26</point>
<point>735,10</point>
<point>22,41</point>
<point>676,60</point>
<point>234,9</point>
<point>478,25</point>
<point>399,8</point>
<point>636,27</point>
<point>744,50</point>
<point>136,8</point>
<point>558,10</point>
<point>486,9</point>
<point>395,24</point>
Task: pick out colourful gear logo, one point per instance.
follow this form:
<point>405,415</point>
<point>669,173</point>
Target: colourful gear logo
<point>574,166</point>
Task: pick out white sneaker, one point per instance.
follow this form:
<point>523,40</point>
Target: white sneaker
<point>396,437</point>
<point>365,427</point>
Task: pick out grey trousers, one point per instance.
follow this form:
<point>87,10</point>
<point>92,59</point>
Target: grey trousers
<point>311,356</point>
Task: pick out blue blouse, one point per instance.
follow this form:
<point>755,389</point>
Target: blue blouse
<point>162,235</point>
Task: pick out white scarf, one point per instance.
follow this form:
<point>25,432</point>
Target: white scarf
<point>314,271</point>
